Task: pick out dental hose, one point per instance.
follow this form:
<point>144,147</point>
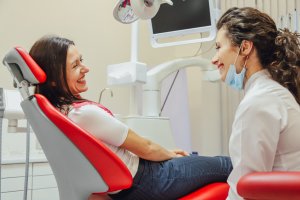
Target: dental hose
<point>1,120</point>
<point>26,161</point>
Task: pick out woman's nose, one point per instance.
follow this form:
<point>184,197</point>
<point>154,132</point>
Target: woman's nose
<point>214,60</point>
<point>85,69</point>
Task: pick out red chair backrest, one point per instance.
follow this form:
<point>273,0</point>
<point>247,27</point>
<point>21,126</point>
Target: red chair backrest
<point>112,170</point>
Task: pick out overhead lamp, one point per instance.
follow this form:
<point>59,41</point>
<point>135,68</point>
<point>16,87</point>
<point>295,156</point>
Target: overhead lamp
<point>128,11</point>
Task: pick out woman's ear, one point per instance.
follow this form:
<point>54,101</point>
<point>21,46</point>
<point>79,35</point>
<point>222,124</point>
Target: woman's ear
<point>53,84</point>
<point>247,47</point>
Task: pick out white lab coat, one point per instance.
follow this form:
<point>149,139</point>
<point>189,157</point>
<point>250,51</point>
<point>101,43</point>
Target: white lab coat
<point>266,130</point>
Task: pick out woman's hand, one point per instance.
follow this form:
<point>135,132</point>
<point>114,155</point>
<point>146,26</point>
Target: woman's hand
<point>148,149</point>
<point>180,152</point>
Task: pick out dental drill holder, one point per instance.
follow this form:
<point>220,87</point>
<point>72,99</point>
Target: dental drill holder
<point>127,73</point>
<point>153,128</point>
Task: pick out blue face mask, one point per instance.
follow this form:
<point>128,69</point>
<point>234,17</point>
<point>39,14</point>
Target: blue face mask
<point>233,79</point>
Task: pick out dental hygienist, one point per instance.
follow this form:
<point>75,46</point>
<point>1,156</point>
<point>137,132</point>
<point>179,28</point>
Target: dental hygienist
<point>253,55</point>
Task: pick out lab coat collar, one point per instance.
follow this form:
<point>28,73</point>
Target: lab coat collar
<point>254,77</point>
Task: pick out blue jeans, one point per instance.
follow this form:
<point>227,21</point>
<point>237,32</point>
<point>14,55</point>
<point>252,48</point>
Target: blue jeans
<point>175,178</point>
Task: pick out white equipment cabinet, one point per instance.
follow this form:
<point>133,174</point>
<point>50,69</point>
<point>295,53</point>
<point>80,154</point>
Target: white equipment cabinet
<point>42,184</point>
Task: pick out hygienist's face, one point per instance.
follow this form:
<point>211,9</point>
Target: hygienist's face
<point>76,71</point>
<point>226,53</point>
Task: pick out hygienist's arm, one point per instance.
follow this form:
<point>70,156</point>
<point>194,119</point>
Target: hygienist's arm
<point>147,149</point>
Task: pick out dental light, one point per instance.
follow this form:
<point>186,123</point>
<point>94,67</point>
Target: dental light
<point>128,11</point>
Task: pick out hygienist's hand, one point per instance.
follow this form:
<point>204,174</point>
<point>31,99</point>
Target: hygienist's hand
<point>180,153</point>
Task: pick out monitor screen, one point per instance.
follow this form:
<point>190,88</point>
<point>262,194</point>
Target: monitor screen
<point>184,14</point>
<point>184,17</point>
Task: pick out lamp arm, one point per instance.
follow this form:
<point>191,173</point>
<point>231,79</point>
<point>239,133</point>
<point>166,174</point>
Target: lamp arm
<point>155,76</point>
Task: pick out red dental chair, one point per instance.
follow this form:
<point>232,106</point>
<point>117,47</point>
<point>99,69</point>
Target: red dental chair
<point>82,165</point>
<point>270,186</point>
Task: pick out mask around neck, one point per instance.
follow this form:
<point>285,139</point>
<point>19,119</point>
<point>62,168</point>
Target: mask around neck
<point>235,80</point>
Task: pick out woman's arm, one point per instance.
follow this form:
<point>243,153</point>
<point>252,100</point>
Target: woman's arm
<point>111,131</point>
<point>147,149</point>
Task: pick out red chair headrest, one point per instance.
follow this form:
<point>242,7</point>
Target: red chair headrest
<point>30,70</point>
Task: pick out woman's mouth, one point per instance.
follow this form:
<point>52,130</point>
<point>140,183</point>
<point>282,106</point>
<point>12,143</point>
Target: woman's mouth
<point>82,80</point>
<point>220,67</point>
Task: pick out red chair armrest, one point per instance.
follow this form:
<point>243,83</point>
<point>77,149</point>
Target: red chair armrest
<point>212,191</point>
<point>270,185</point>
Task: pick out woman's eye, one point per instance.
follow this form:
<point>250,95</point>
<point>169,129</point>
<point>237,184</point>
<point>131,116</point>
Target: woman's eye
<point>76,65</point>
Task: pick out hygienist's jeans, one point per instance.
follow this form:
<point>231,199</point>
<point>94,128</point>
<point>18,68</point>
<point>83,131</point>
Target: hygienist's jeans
<point>175,178</point>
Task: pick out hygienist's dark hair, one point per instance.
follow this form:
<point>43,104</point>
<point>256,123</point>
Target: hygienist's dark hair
<point>278,50</point>
<point>50,53</point>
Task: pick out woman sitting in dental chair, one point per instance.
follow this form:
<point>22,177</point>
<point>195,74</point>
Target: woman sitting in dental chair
<point>157,173</point>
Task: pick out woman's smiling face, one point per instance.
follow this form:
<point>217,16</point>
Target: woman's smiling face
<point>75,71</point>
<point>226,53</point>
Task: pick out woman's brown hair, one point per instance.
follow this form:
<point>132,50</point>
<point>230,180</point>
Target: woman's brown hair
<point>50,53</point>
